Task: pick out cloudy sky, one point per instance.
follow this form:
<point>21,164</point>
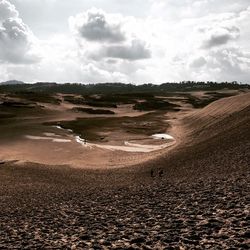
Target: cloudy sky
<point>126,41</point>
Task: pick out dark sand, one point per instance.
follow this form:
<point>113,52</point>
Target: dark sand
<point>201,202</point>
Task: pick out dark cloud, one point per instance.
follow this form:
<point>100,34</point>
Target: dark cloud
<point>135,51</point>
<point>220,36</point>
<point>94,26</point>
<point>198,62</point>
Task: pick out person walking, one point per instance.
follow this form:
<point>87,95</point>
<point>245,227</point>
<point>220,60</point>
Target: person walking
<point>160,172</point>
<point>152,173</point>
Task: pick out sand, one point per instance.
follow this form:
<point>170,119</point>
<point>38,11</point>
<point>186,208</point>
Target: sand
<point>200,202</point>
<point>56,146</point>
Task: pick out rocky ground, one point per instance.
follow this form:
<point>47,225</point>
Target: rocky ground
<point>70,209</point>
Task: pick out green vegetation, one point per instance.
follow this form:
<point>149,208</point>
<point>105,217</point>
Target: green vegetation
<point>4,115</point>
<point>219,95</point>
<point>155,104</point>
<point>19,109</point>
<point>36,97</point>
<point>90,101</point>
<point>120,99</point>
<point>101,104</point>
<point>207,99</point>
<point>94,111</point>
<point>146,97</point>
<point>141,101</point>
<point>75,100</point>
<point>120,88</point>
<point>16,104</point>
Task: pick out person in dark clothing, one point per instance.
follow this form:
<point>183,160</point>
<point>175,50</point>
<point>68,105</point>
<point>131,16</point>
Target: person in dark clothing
<point>160,172</point>
<point>152,173</point>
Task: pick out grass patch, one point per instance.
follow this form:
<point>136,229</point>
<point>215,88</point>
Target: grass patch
<point>209,98</point>
<point>37,97</point>
<point>155,104</point>
<point>101,104</point>
<point>220,95</point>
<point>75,100</point>
<point>94,111</point>
<point>199,103</point>
<point>90,101</point>
<point>14,104</point>
<point>20,109</point>
<point>117,99</point>
<point>4,115</point>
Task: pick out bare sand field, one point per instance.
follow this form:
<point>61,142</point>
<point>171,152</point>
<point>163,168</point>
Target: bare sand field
<point>54,145</point>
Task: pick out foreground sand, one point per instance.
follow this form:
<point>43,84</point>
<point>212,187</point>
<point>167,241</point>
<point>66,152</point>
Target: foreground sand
<point>44,209</point>
<point>201,202</point>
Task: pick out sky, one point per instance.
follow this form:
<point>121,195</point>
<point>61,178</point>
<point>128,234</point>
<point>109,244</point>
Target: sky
<point>137,41</point>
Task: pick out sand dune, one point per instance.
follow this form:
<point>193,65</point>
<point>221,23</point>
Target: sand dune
<point>200,202</point>
<point>218,111</point>
<point>216,139</point>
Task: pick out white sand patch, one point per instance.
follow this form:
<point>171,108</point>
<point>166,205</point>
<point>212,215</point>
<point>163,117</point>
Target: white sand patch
<point>136,148</point>
<point>31,137</point>
<point>61,140</point>
<point>59,127</point>
<point>80,140</point>
<point>51,134</point>
<point>163,137</point>
<point>139,145</point>
<point>83,142</point>
<point>129,147</point>
<point>123,148</point>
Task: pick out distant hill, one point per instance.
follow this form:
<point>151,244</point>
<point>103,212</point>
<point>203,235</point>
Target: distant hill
<point>11,82</point>
<point>118,88</point>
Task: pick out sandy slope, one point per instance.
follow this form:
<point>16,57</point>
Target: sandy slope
<point>214,116</point>
<point>215,139</point>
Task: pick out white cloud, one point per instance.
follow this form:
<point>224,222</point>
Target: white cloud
<point>91,73</point>
<point>7,10</point>
<point>16,39</point>
<point>232,63</point>
<point>138,41</point>
<point>111,34</point>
